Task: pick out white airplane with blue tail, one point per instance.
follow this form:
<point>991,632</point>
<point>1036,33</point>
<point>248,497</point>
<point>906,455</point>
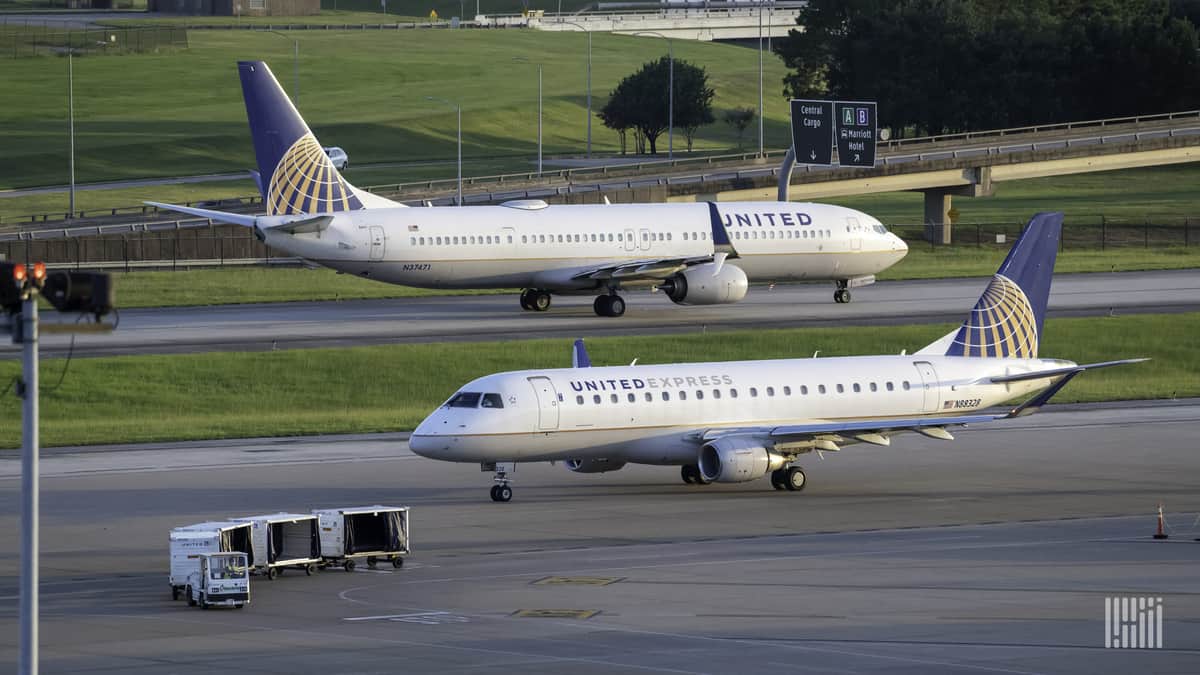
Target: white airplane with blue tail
<point>739,421</point>
<point>698,254</point>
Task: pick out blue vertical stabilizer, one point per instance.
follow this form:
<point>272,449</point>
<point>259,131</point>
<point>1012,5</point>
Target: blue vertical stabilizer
<point>295,175</point>
<point>1007,320</point>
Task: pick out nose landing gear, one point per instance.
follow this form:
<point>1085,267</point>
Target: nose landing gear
<point>842,294</point>
<point>501,491</point>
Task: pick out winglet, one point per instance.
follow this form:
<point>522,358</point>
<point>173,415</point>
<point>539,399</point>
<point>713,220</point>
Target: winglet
<point>720,236</point>
<point>579,356</point>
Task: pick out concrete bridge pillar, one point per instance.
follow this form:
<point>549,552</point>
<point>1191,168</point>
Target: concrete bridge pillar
<point>937,216</point>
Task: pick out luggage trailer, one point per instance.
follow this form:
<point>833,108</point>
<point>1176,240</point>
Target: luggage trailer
<point>372,532</point>
<point>282,540</point>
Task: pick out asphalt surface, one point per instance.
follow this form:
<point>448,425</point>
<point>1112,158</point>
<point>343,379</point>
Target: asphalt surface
<point>993,553</point>
<point>498,317</point>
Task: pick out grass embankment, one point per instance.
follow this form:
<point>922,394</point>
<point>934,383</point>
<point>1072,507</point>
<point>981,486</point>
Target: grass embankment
<point>143,115</point>
<point>220,395</point>
<point>246,285</point>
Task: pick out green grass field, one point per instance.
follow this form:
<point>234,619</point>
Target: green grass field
<point>141,115</point>
<point>231,395</point>
<point>247,285</point>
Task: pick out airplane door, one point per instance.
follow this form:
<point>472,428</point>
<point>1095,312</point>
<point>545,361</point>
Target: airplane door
<point>929,385</point>
<point>378,242</point>
<point>854,230</point>
<point>647,237</point>
<point>547,398</point>
<point>630,242</point>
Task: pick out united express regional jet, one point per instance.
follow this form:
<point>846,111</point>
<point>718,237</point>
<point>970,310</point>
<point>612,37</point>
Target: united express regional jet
<point>699,254</point>
<point>739,421</point>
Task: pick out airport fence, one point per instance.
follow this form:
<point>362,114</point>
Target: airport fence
<point>19,40</point>
<point>197,243</point>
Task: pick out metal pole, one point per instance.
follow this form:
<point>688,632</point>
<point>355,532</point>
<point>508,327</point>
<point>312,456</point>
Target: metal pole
<point>459,109</point>
<point>760,80</point>
<point>296,72</point>
<point>29,489</point>
<point>539,119</point>
<point>71,122</point>
<point>670,101</point>
<point>589,96</point>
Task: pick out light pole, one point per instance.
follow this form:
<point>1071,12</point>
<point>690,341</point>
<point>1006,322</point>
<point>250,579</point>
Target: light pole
<point>295,66</point>
<point>522,59</point>
<point>760,79</point>
<point>457,109</point>
<point>589,84</point>
<point>71,122</point>
<point>670,91</point>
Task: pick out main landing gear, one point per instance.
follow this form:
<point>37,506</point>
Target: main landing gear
<point>791,478</point>
<point>501,491</point>
<point>535,300</point>
<point>609,305</point>
<point>842,294</point>
<point>691,475</point>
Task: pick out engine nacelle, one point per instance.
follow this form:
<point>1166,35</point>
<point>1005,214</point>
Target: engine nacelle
<point>593,465</point>
<point>699,286</point>
<point>737,459</point>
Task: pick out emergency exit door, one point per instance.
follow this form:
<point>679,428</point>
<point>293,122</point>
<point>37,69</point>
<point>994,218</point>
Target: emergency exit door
<point>378,242</point>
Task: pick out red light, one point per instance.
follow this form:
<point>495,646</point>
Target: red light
<point>19,273</point>
<point>39,272</point>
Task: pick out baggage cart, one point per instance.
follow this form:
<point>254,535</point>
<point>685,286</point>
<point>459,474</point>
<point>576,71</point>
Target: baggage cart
<point>372,532</point>
<point>189,542</point>
<point>282,540</point>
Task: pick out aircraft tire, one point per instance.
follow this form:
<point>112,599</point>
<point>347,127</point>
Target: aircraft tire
<point>525,300</point>
<point>778,480</point>
<point>685,472</point>
<point>602,305</point>
<point>539,301</point>
<point>503,493</point>
<point>495,497</point>
<point>795,479</point>
<point>616,306</point>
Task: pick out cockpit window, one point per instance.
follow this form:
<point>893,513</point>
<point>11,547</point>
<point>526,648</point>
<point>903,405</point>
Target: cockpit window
<point>880,229</point>
<point>492,401</point>
<point>464,399</point>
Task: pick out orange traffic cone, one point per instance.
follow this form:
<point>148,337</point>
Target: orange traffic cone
<point>1160,534</point>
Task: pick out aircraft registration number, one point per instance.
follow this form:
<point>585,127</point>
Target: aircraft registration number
<point>962,403</point>
<point>417,267</point>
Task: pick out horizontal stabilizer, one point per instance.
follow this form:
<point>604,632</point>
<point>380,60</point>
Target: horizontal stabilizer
<point>1042,374</point>
<point>219,216</point>
<point>306,226</point>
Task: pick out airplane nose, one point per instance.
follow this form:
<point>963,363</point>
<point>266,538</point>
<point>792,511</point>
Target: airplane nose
<point>421,444</point>
<point>899,244</point>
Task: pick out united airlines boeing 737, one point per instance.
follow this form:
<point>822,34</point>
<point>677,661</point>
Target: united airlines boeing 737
<point>699,254</point>
<point>738,421</point>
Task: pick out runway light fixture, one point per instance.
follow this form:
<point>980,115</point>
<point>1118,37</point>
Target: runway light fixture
<point>39,274</point>
<point>71,291</point>
<point>19,273</point>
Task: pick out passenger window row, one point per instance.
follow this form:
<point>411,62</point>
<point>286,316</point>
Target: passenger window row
<point>769,392</point>
<point>784,234</point>
<point>464,240</point>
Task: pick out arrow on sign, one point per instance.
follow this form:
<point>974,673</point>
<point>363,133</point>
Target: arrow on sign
<point>857,157</point>
<point>813,156</point>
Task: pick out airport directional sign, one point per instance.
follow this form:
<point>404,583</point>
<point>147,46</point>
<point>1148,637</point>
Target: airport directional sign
<point>812,131</point>
<point>855,130</point>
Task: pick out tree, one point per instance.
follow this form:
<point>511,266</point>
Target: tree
<point>939,66</point>
<point>739,119</point>
<point>641,102</point>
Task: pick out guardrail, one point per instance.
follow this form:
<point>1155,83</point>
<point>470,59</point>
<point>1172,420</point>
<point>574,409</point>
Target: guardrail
<point>547,182</point>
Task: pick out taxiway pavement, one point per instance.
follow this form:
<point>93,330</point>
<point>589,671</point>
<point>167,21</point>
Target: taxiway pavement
<point>498,317</point>
<point>992,553</point>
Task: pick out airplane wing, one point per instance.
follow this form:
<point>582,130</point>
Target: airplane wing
<point>649,268</point>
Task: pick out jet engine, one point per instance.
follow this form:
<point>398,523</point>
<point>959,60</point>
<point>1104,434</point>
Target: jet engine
<point>700,286</point>
<point>737,459</point>
<point>593,465</point>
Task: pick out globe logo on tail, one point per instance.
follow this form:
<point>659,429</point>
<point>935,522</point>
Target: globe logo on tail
<point>304,181</point>
<point>1002,324</point>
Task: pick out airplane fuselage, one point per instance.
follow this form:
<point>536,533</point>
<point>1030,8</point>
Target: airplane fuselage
<point>650,414</point>
<point>530,245</point>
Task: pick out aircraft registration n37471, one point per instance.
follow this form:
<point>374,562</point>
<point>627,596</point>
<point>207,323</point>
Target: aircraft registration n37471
<point>698,254</point>
<point>739,421</point>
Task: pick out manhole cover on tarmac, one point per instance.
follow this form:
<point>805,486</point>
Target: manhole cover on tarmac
<point>556,613</point>
<point>578,581</point>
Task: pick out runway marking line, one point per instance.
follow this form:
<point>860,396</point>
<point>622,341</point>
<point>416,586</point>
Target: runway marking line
<point>576,581</point>
<point>579,614</point>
